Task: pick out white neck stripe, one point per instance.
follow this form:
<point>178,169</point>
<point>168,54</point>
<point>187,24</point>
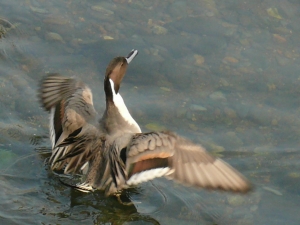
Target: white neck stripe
<point>119,103</point>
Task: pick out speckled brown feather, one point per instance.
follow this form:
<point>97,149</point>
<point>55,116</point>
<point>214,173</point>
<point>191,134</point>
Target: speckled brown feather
<point>73,101</point>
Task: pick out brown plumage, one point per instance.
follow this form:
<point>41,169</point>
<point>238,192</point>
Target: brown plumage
<point>111,151</point>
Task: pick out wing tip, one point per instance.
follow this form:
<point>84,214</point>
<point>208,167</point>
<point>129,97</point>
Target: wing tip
<point>41,85</point>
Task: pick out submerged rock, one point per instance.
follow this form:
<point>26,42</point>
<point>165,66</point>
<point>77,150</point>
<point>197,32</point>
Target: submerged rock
<point>235,200</point>
<point>51,36</point>
<point>217,96</point>
<point>197,108</point>
<point>102,10</point>
<point>159,30</point>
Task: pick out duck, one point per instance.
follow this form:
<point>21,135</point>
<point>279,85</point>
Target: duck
<point>110,152</point>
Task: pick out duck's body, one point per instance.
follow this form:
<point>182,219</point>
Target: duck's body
<point>111,151</point>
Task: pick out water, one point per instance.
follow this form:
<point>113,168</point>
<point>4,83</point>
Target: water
<point>222,73</point>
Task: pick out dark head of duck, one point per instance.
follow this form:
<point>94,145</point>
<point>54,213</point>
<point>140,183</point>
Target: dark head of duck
<point>114,74</point>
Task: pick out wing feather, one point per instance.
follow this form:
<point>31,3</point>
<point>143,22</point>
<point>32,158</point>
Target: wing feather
<point>189,163</point>
<point>72,121</point>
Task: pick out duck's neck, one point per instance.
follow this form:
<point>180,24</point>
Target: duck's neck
<point>117,115</point>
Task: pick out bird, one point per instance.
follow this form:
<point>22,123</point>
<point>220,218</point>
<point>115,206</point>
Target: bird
<point>110,152</point>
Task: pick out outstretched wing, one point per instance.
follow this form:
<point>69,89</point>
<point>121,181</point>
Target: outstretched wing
<point>72,115</point>
<point>157,154</point>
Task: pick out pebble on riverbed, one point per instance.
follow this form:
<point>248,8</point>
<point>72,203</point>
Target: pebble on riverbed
<point>51,36</point>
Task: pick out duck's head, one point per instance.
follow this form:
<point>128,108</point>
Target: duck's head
<point>116,118</point>
<point>115,72</point>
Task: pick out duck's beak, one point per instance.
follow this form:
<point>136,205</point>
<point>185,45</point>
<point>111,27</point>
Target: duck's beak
<point>131,55</point>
